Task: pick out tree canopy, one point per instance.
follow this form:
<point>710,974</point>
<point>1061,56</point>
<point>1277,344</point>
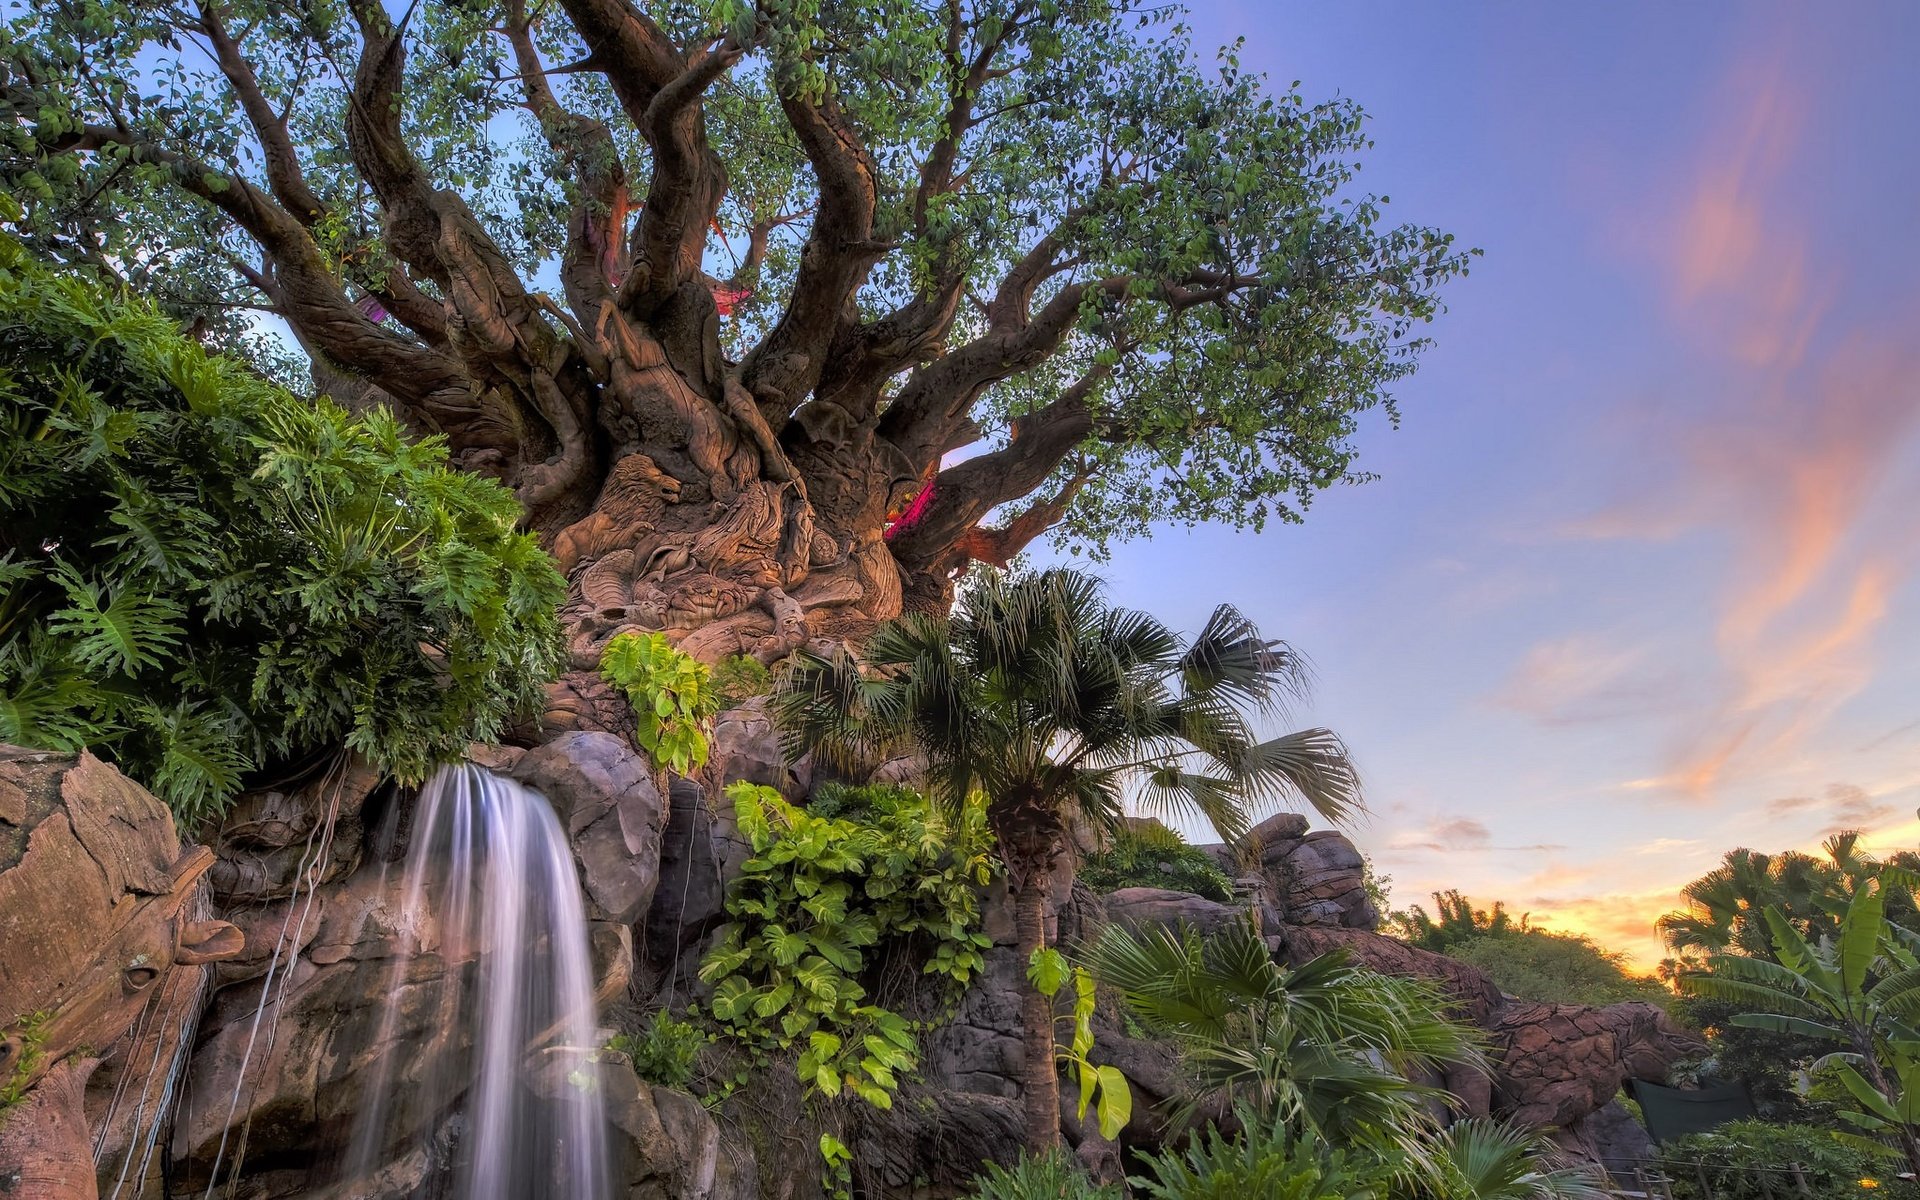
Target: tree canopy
<point>839,270</point>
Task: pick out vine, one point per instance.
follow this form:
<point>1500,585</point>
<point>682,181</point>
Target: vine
<point>671,694</point>
<point>815,906</point>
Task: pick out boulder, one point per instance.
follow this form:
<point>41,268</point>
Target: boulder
<point>1143,907</point>
<point>607,800</point>
<point>700,856</point>
<point>1611,1138</point>
<point>278,841</point>
<point>1556,1063</point>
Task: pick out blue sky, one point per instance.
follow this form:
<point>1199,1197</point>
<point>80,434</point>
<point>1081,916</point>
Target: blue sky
<point>1637,583</point>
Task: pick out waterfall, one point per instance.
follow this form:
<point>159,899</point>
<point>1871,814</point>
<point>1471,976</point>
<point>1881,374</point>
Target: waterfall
<point>492,908</point>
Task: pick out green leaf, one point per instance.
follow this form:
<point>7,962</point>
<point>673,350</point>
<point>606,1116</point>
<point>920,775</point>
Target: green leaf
<point>1047,970</point>
<point>1116,1102</point>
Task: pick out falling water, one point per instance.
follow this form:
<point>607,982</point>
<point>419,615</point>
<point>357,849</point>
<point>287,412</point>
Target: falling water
<point>490,890</point>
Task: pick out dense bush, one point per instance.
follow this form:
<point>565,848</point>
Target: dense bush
<point>1052,1176</point>
<point>861,803</point>
<point>1151,855</point>
<point>203,576</point>
<point>1269,1158</point>
<point>738,678</point>
<point>665,1052</point>
<point>671,694</point>
<point>1562,968</point>
<point>1755,1160</point>
<point>814,910</point>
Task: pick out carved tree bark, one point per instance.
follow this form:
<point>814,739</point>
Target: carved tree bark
<point>801,492</point>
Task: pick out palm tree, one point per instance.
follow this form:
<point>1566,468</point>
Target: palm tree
<point>1724,905</point>
<point>1328,1044</point>
<point>1051,701</point>
<point>1319,1056</point>
<point>1479,1159</point>
<point>1857,987</point>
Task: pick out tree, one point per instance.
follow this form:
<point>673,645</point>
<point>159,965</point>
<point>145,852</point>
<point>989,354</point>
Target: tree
<point>205,578</point>
<point>1460,922</point>
<point>1857,987</point>
<point>774,323</point>
<point>1724,905</point>
<point>1532,963</point>
<point>1051,702</point>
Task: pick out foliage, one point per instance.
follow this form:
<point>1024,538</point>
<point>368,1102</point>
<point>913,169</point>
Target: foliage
<point>861,803</point>
<point>1328,1043</point>
<point>1857,988</point>
<point>1102,1086</point>
<point>1049,700</point>
<point>1038,689</point>
<point>1154,857</point>
<point>1054,1175</point>
<point>1724,905</point>
<point>670,693</point>
<point>203,576</point>
<point>1562,968</point>
<point>1223,302</point>
<point>1480,1159</point>
<point>813,910</point>
<point>1755,1160</point>
<point>666,1052</point>
<point>738,678</point>
<point>1459,923</point>
<point>30,1048</point>
<point>1270,1157</point>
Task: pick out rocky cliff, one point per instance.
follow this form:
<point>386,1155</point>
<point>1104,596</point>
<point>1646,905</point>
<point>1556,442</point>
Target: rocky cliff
<point>238,987</point>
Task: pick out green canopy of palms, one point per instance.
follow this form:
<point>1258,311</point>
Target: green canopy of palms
<point>1724,905</point>
<point>1051,701</point>
<point>1857,987</point>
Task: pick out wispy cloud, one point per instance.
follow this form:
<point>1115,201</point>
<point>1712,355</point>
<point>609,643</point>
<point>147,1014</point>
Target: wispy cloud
<point>1582,678</point>
<point>1790,464</point>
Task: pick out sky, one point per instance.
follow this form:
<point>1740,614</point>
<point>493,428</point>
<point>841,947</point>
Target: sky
<point>1637,583</point>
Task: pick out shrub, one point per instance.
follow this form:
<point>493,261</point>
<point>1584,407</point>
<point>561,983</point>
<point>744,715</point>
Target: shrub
<point>665,1052</point>
<point>1561,968</point>
<point>1268,1158</point>
<point>738,678</point>
<point>1754,1160</point>
<point>1050,1176</point>
<point>671,695</point>
<point>812,910</point>
<point>1146,855</point>
<point>861,803</point>
<point>203,576</point>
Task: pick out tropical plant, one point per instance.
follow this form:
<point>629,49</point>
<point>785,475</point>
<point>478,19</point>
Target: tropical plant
<point>1049,700</point>
<point>1724,905</point>
<point>501,216</point>
<point>1759,1160</point>
<point>1141,854</point>
<point>1327,1044</point>
<point>1459,922</point>
<point>1857,988</point>
<point>819,902</point>
<point>1053,1175</point>
<point>670,694</point>
<point>204,577</point>
<point>738,678</point>
<point>1272,1157</point>
<point>666,1052</point>
<point>1480,1159</point>
<point>861,803</point>
<point>1102,1085</point>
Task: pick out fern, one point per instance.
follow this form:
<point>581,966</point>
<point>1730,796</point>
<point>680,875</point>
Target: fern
<point>202,575</point>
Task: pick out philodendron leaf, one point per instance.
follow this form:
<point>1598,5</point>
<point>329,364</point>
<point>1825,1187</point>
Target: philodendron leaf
<point>1048,971</point>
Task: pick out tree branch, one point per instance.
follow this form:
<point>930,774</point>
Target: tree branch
<point>284,175</point>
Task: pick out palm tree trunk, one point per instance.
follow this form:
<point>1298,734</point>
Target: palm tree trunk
<point>1039,1080</point>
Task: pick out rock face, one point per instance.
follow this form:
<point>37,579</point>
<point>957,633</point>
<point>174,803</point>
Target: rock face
<point>609,803</point>
<point>1296,877</point>
<point>1559,1062</point>
<point>103,915</point>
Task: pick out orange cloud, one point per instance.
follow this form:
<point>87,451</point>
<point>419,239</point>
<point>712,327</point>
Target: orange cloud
<point>1791,465</point>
